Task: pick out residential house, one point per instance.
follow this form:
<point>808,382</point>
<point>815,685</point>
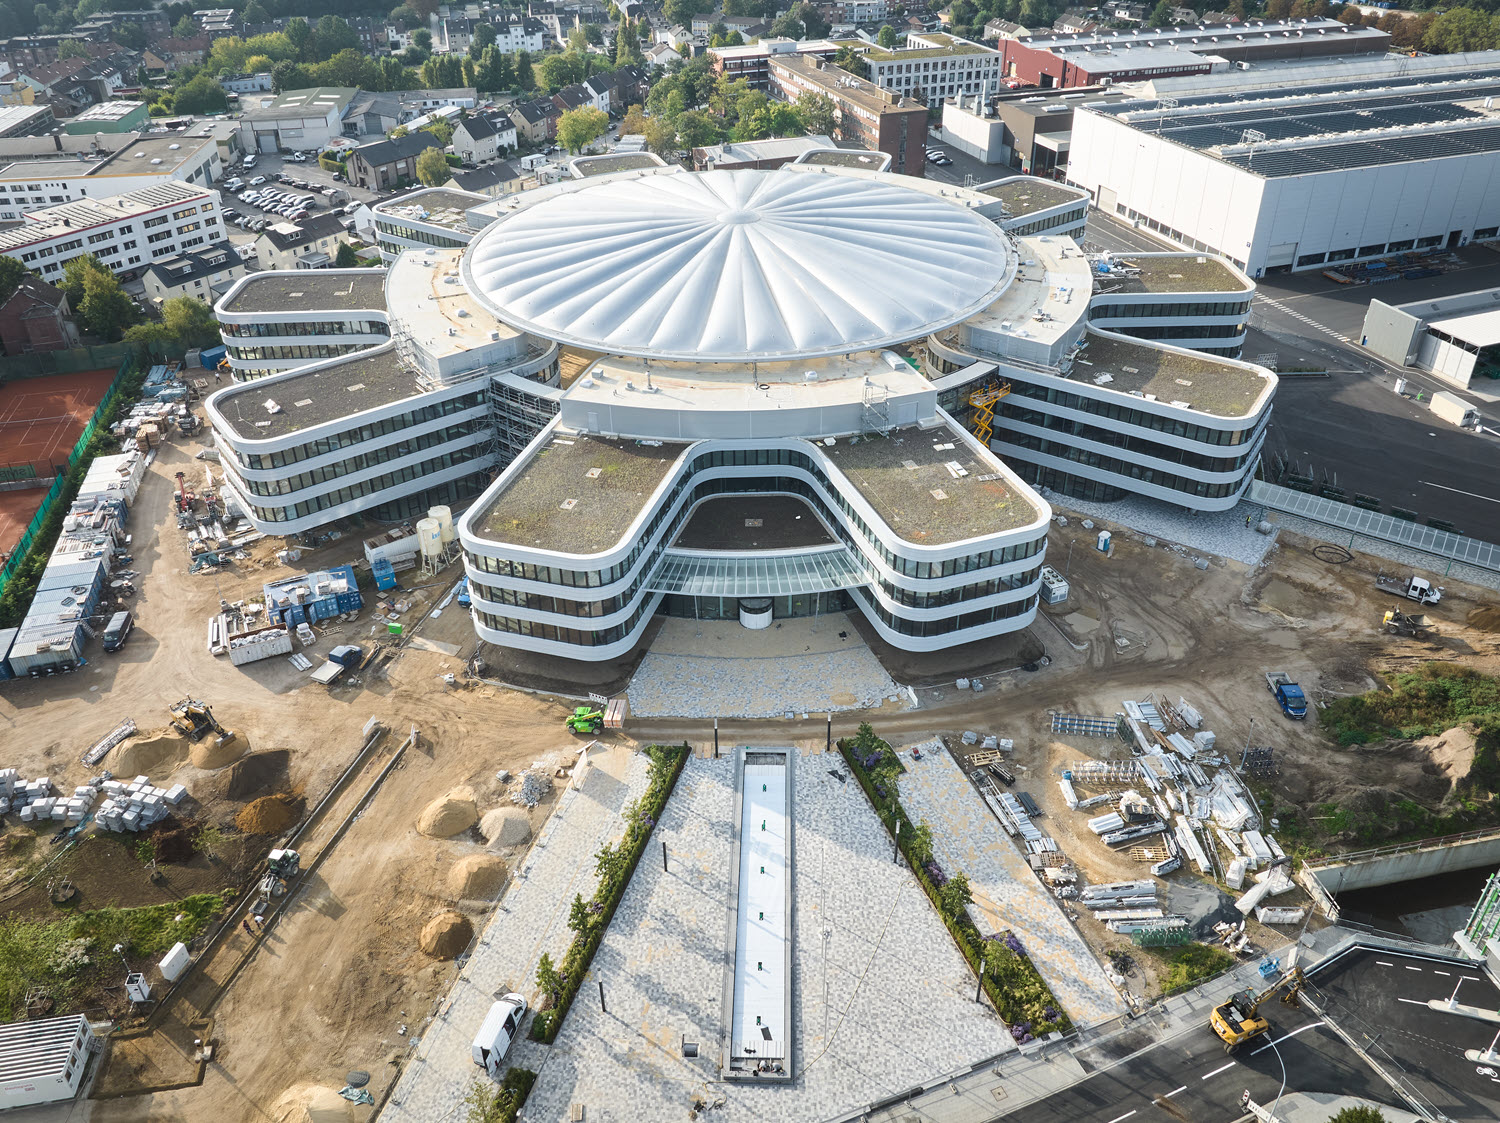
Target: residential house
<point>749,27</point>
<point>479,138</point>
<point>454,34</point>
<point>599,88</point>
<point>372,114</point>
<point>385,163</point>
<point>659,54</point>
<point>536,120</point>
<point>373,35</point>
<point>76,80</point>
<point>1006,29</point>
<point>247,83</point>
<point>218,22</point>
<point>494,179</point>
<point>519,33</point>
<point>202,275</point>
<point>36,318</point>
<point>414,103</point>
<point>308,244</point>
<point>177,52</point>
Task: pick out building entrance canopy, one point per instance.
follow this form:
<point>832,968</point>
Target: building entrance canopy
<point>757,575</point>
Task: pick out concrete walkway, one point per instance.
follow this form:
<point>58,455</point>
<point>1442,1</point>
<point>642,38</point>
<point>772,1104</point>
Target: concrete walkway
<point>530,919</point>
<point>1008,897</point>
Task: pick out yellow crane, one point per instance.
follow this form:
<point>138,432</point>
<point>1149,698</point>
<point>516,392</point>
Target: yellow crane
<point>1238,1020</point>
<point>982,402</point>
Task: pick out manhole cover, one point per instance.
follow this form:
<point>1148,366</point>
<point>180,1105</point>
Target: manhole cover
<point>357,1079</point>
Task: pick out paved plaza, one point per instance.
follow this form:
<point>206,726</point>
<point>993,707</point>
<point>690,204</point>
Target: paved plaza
<point>530,919</point>
<point>883,999</point>
<point>717,668</point>
<point>1008,897</point>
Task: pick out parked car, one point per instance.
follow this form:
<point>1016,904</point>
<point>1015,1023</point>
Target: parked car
<point>350,208</point>
<point>283,177</point>
<point>231,213</point>
<point>299,157</point>
<point>233,184</point>
<point>329,191</point>
<point>257,181</point>
<point>501,1026</point>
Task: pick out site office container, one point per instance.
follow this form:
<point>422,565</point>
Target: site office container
<point>7,639</point>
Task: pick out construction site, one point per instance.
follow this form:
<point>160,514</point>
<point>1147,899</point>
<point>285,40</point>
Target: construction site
<point>302,771</point>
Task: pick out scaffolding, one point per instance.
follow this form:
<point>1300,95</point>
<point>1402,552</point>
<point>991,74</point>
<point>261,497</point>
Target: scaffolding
<point>876,416</point>
<point>982,401</point>
<point>1484,921</point>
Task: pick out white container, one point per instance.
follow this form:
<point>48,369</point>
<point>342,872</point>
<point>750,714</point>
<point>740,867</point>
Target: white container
<point>175,962</point>
<point>444,517</point>
<point>430,538</point>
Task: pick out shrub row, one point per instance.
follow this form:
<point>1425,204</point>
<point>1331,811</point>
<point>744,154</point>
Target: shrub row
<point>486,1105</point>
<point>615,865</point>
<point>1019,993</point>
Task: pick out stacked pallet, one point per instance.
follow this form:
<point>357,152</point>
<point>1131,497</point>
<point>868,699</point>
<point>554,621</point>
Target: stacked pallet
<point>34,802</point>
<point>137,804</point>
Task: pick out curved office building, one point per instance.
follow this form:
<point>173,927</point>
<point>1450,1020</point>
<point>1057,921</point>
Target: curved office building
<point>738,394</point>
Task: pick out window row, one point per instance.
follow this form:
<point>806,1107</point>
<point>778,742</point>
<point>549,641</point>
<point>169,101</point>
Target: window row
<point>1089,459</point>
<point>368,487</point>
<point>948,625</point>
<point>261,461</point>
<point>1169,308</point>
<point>1067,218</point>
<point>1123,440</point>
<point>278,328</point>
<point>1181,331</point>
<point>1115,411</point>
<point>1379,249</point>
<point>411,234</point>
<point>382,455</point>
<point>578,637</point>
<point>299,350</point>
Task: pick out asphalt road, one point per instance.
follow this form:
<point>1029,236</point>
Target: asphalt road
<point>1191,1077</point>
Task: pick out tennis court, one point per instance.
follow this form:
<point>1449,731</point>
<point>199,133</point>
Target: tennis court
<point>40,421</point>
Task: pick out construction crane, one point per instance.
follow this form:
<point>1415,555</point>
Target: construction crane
<point>982,402</point>
<point>1238,1020</point>
<point>195,720</point>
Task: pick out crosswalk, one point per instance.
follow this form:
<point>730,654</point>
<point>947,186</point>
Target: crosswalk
<point>1261,298</point>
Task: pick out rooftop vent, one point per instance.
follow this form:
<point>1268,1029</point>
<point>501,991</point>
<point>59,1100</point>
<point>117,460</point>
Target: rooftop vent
<point>594,473</point>
<point>356,386</point>
<point>567,504</point>
<point>303,402</point>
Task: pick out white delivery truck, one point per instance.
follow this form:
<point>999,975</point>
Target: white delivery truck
<point>497,1031</point>
<point>1454,410</point>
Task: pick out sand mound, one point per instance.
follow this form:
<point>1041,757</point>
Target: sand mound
<point>449,814</point>
<point>1485,618</point>
<point>270,814</point>
<point>476,877</point>
<point>446,934</point>
<point>312,1103</point>
<point>154,754</point>
<point>1452,752</point>
<point>253,775</point>
<point>505,826</point>
<point>209,754</point>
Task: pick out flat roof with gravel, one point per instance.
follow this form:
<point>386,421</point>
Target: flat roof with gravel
<point>1202,382</point>
<point>588,166</point>
<point>1027,196</point>
<point>363,381</point>
<point>1186,272</point>
<point>579,494</point>
<point>844,158</point>
<point>906,477</point>
<point>308,290</point>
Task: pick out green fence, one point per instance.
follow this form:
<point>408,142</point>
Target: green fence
<point>80,449</point>
<point>42,363</point>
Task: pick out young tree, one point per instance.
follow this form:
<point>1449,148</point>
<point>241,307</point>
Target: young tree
<point>579,916</point>
<point>346,258</point>
<point>432,167</point>
<point>548,981</point>
<point>441,130</point>
<point>201,95</point>
<point>955,895</point>
<point>185,28</point>
<point>578,40</point>
<point>525,79</point>
<point>422,38</point>
<point>578,128</point>
<point>633,122</point>
<point>300,34</point>
<point>818,112</point>
<point>886,37</point>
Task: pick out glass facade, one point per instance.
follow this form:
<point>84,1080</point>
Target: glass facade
<point>280,328</point>
<point>286,485</point>
<point>263,461</point>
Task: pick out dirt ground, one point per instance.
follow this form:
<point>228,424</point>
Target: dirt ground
<point>340,974</point>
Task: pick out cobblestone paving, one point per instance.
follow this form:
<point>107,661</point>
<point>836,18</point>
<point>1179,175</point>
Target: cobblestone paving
<point>530,919</point>
<point>1007,895</point>
<point>1218,533</point>
<point>720,669</point>
<point>883,999</point>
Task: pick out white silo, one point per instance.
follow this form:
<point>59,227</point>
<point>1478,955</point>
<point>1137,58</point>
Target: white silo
<point>444,517</point>
<point>430,543</point>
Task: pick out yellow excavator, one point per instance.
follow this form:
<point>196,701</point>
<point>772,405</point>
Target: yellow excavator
<point>1238,1020</point>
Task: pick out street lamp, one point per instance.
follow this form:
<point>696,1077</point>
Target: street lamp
<point>1274,1106</point>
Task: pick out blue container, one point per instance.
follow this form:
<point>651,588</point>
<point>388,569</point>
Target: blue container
<point>385,575</point>
<point>210,358</point>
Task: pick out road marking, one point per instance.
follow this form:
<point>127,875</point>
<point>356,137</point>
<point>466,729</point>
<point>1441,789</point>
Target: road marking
<point>1218,1070</point>
<point>1119,1118</point>
<point>1410,968</point>
<point>1470,494</point>
<point>1294,1033</point>
<point>1174,1091</point>
<point>1383,963</point>
<point>1443,973</point>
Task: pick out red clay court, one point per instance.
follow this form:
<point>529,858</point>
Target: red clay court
<point>40,421</point>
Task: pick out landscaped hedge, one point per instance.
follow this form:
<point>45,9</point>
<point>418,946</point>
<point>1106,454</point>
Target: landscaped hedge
<point>590,920</point>
<point>1020,994</point>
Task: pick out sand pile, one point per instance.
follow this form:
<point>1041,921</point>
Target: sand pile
<point>449,814</point>
<point>270,814</point>
<point>253,775</point>
<point>209,754</point>
<point>312,1103</point>
<point>152,754</point>
<point>1452,752</point>
<point>446,934</point>
<point>476,877</point>
<point>505,826</point>
<point>1485,618</point>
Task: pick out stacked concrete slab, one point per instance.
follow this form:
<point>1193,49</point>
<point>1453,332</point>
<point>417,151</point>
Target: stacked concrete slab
<point>135,805</point>
<point>33,801</point>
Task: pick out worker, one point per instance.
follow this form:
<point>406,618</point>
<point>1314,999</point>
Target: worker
<point>246,925</point>
<point>260,924</point>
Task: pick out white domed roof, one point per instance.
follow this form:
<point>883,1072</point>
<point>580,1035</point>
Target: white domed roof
<point>724,266</point>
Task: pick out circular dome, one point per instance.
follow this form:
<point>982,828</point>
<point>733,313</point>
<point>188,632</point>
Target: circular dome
<point>727,266</point>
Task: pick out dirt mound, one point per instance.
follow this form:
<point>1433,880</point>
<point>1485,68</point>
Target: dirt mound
<point>505,826</point>
<point>1452,753</point>
<point>270,814</point>
<point>446,934</point>
<point>476,877</point>
<point>1485,618</point>
<point>209,754</point>
<point>172,839</point>
<point>150,754</point>
<point>253,775</point>
<point>449,814</point>
<point>312,1103</point>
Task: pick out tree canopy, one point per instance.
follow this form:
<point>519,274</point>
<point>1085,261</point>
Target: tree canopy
<point>578,128</point>
<point>432,167</point>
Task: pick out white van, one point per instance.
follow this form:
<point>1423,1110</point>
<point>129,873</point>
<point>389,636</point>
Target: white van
<point>496,1032</point>
<point>251,161</point>
<point>233,184</point>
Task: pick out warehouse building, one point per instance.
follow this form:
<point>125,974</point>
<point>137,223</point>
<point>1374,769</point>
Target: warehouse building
<point>1455,338</point>
<point>1330,174</point>
<point>649,357</point>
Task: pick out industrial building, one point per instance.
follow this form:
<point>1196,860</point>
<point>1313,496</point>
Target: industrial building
<point>639,355</point>
<point>1455,338</point>
<point>123,232</point>
<point>1328,174</point>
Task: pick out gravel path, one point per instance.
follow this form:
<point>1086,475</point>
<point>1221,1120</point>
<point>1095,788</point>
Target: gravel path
<point>1219,534</point>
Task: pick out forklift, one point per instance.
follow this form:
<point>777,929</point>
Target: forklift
<point>585,719</point>
<point>194,720</point>
<point>1238,1020</point>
